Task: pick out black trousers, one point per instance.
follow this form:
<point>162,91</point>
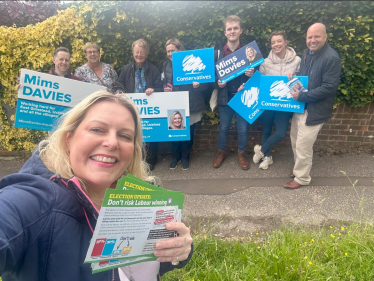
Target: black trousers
<point>152,151</point>
<point>182,149</point>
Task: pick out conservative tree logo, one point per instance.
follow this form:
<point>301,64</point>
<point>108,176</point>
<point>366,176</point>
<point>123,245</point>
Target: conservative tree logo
<point>250,97</point>
<point>192,63</point>
<point>193,66</point>
<point>280,91</point>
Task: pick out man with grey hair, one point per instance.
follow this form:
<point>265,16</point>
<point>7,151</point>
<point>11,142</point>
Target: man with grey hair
<point>321,63</point>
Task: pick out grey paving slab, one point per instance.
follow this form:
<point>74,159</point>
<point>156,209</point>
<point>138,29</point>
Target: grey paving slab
<point>253,200</point>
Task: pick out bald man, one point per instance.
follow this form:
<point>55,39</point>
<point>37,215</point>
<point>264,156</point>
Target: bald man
<point>322,65</point>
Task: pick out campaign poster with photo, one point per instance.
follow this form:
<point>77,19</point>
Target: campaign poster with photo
<point>238,62</point>
<point>43,98</point>
<point>276,93</point>
<point>193,66</point>
<point>165,116</point>
<point>245,102</point>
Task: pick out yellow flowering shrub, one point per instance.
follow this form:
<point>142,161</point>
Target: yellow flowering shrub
<point>114,25</point>
<point>32,47</point>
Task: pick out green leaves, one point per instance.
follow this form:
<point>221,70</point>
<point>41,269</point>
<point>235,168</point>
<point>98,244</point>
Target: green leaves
<point>115,25</point>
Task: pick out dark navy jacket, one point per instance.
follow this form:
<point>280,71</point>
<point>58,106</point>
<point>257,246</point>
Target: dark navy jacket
<point>324,74</point>
<point>223,96</point>
<point>152,76</point>
<point>44,234</point>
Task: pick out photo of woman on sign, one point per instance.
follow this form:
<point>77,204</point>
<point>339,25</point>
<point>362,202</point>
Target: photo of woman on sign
<point>252,54</point>
<point>176,121</point>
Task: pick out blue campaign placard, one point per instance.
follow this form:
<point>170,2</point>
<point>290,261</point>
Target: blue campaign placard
<point>193,66</point>
<point>238,62</point>
<point>43,98</point>
<point>158,130</point>
<point>37,115</point>
<point>245,102</point>
<point>276,93</point>
<point>164,116</point>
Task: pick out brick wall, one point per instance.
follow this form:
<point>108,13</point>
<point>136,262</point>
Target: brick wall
<point>348,126</point>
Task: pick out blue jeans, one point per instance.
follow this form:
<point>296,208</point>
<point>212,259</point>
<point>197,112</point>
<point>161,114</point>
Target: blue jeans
<point>281,119</point>
<point>225,115</point>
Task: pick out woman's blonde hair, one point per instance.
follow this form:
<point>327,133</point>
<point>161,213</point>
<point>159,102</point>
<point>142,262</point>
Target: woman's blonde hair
<point>172,118</point>
<point>142,44</point>
<point>54,152</point>
<point>176,43</point>
<point>90,45</point>
<point>254,52</point>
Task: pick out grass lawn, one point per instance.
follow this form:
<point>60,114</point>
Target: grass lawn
<point>344,252</point>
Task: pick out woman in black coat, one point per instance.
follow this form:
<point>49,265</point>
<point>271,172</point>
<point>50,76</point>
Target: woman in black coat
<point>181,149</point>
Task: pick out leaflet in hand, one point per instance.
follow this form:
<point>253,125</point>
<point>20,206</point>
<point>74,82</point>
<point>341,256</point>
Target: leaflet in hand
<point>130,223</point>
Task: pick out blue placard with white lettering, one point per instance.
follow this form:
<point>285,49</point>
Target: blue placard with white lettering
<point>43,98</point>
<point>275,93</point>
<point>165,116</point>
<point>245,102</point>
<point>238,62</point>
<point>193,66</point>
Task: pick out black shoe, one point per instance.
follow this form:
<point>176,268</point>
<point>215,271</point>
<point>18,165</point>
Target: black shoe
<point>185,165</point>
<point>173,164</point>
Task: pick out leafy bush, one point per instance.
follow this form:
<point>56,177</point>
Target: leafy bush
<point>115,25</point>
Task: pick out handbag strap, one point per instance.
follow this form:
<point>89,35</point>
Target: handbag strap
<point>96,75</point>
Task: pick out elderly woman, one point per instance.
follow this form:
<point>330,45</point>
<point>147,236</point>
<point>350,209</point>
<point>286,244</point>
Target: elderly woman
<point>282,59</point>
<point>141,76</point>
<point>252,54</point>
<point>181,149</point>
<point>94,71</point>
<point>48,207</point>
<point>176,121</point>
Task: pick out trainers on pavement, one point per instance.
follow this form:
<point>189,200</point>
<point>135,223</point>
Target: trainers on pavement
<point>185,165</point>
<point>266,163</point>
<point>174,163</point>
<point>258,154</point>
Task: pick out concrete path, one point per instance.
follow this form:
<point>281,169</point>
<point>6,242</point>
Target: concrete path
<point>231,202</point>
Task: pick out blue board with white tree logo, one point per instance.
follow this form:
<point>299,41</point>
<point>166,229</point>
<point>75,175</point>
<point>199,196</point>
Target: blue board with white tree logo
<point>275,93</point>
<point>193,66</point>
<point>245,102</point>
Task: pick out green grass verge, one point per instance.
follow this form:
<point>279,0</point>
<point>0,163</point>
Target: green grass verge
<point>343,252</point>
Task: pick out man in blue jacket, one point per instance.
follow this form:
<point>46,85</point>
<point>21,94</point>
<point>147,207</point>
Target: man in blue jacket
<point>322,65</point>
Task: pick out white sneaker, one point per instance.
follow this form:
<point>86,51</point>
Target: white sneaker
<point>258,154</point>
<point>266,163</point>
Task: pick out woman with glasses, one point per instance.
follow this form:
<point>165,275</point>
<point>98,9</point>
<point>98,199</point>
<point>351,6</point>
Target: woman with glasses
<point>94,71</point>
<point>141,76</point>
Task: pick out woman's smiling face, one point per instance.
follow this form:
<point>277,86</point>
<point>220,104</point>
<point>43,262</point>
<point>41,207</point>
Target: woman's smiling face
<point>177,120</point>
<point>278,44</point>
<point>102,146</point>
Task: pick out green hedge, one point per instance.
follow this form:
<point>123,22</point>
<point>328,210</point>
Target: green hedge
<point>115,25</point>
<point>199,25</point>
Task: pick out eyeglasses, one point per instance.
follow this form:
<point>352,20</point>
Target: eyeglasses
<point>92,52</point>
